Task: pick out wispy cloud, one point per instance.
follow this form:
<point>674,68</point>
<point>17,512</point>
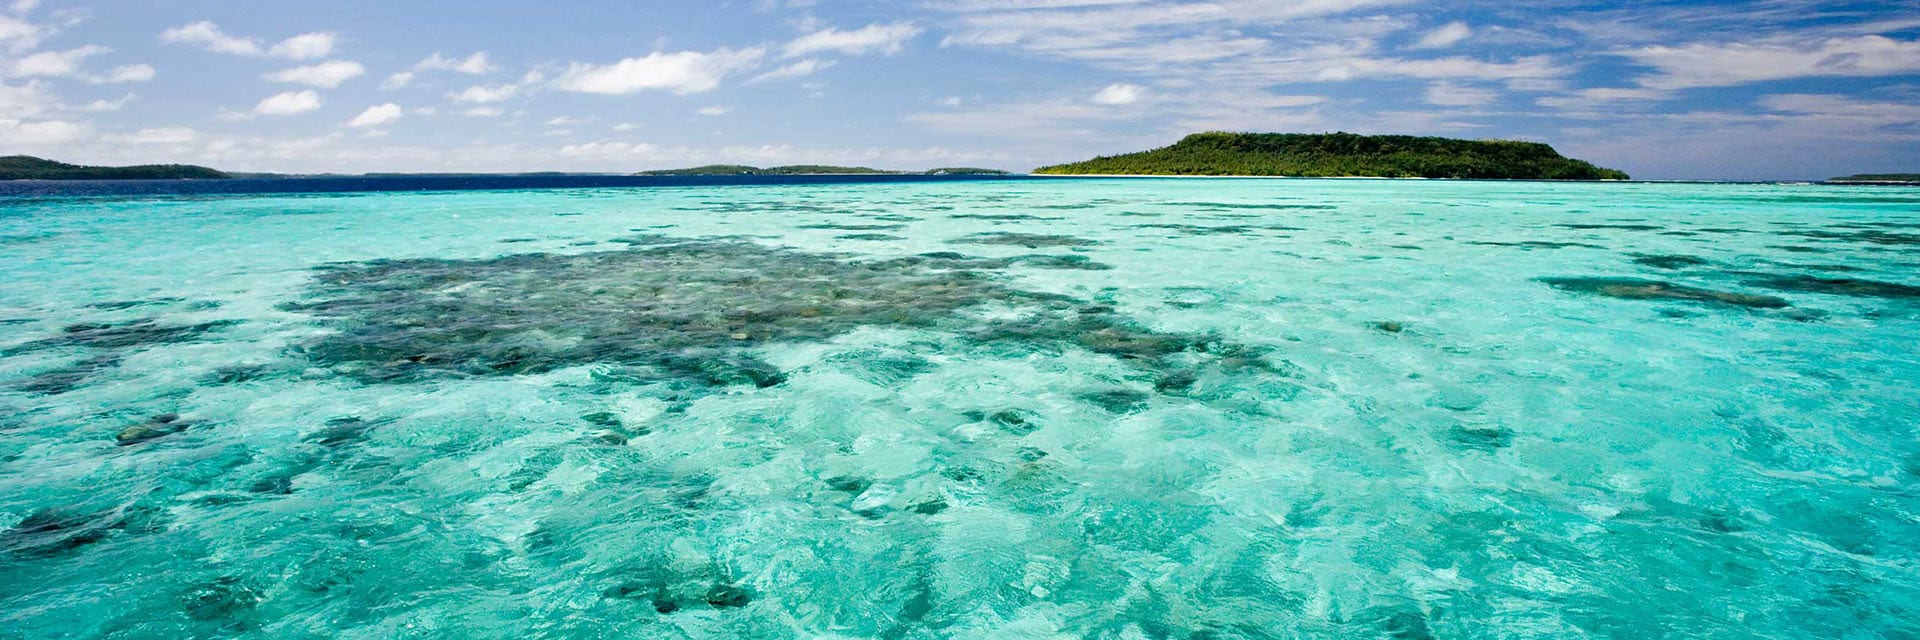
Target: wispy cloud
<point>874,38</point>
<point>1727,64</point>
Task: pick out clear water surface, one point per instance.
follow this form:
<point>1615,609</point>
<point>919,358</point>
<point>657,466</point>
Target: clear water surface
<point>1200,408</point>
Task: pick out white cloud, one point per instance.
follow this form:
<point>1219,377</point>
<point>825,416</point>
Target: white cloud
<point>397,81</point>
<point>209,36</point>
<point>1844,110</point>
<point>377,115</point>
<point>482,94</point>
<point>19,35</point>
<point>683,72</point>
<point>883,38</point>
<point>562,121</point>
<point>799,69</point>
<point>54,64</point>
<point>23,6</point>
<point>43,133</point>
<point>608,150</point>
<point>1447,94</point>
<point>625,126</point>
<point>288,103</point>
<point>1596,97</point>
<point>715,110</point>
<point>484,112</point>
<point>1119,94</point>
<point>475,64</point>
<point>1722,65</point>
<point>1446,35</point>
<point>26,100</point>
<point>305,46</point>
<point>161,135</point>
<point>326,75</point>
<point>103,105</point>
<point>125,73</point>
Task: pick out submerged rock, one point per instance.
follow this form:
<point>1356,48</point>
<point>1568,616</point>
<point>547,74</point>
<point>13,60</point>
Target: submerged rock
<point>1635,289</point>
<point>51,531</point>
<point>156,427</point>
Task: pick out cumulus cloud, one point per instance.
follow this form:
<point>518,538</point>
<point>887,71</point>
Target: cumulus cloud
<point>482,94</point>
<point>208,35</point>
<point>125,73</point>
<point>1721,65</point>
<point>1119,94</point>
<point>326,75</point>
<point>683,72</point>
<point>54,64</point>
<point>397,81</point>
<point>376,116</point>
<point>1446,35</point>
<point>288,103</point>
<point>103,105</point>
<point>211,37</point>
<point>484,112</point>
<point>160,135</point>
<point>26,100</point>
<point>882,38</point>
<point>305,46</point>
<point>475,64</point>
<point>42,133</point>
<point>19,35</point>
<point>715,110</point>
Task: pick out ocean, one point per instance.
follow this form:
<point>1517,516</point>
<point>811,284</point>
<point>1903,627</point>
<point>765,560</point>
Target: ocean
<point>963,408</point>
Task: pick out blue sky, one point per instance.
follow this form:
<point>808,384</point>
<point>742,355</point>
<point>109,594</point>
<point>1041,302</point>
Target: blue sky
<point>1748,90</point>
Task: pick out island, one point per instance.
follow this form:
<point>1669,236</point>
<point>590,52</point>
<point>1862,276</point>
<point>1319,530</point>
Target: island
<point>1878,178</point>
<point>811,170</point>
<point>31,168</point>
<point>1343,155</point>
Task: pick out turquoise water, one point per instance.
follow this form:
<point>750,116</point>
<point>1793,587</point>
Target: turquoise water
<point>1028,409</point>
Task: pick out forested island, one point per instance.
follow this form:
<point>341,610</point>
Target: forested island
<point>31,168</point>
<point>1878,178</point>
<point>810,170</point>
<point>1339,155</point>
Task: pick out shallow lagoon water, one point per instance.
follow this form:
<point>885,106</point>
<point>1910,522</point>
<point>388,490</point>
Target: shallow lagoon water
<point>998,409</point>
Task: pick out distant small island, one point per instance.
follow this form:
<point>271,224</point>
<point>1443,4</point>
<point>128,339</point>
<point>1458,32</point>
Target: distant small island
<point>31,168</point>
<point>1877,178</point>
<point>811,170</point>
<point>1340,155</point>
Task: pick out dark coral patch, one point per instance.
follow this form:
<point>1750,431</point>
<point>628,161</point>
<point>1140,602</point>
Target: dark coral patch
<point>1838,286</point>
<point>1028,240</point>
<point>1635,289</point>
<point>1668,261</point>
<point>689,311</point>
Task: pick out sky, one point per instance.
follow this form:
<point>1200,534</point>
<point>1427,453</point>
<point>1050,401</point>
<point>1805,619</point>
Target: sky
<point>1764,89</point>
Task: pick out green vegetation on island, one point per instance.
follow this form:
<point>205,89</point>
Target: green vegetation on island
<point>1338,155</point>
<point>809,170</point>
<point>1879,178</point>
<point>31,168</point>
